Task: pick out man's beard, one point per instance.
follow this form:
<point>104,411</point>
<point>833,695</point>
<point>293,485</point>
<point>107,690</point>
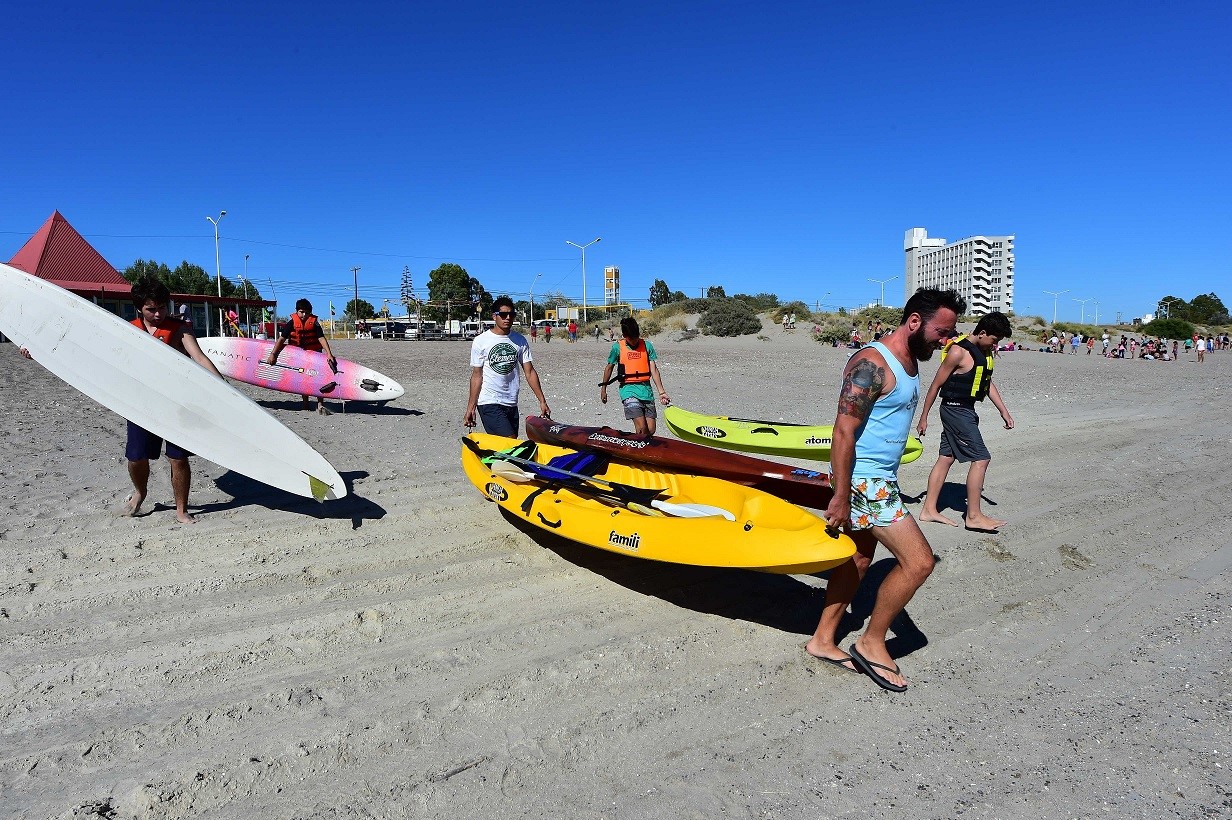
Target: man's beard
<point>919,346</point>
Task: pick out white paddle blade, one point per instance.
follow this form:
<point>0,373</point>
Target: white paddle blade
<point>691,510</point>
<point>506,469</point>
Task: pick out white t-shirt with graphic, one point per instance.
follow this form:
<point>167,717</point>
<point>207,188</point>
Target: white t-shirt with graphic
<point>501,358</point>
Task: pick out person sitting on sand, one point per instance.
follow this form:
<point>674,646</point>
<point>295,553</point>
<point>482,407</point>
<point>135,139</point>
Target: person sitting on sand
<point>151,297</point>
<point>304,330</point>
<point>636,359</point>
<point>965,377</point>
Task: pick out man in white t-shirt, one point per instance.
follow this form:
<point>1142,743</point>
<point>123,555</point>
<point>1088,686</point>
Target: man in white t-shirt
<point>495,357</point>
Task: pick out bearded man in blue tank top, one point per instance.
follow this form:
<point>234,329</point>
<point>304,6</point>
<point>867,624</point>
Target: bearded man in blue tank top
<point>881,387</point>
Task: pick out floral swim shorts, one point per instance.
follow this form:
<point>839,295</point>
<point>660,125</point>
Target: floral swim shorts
<point>875,502</point>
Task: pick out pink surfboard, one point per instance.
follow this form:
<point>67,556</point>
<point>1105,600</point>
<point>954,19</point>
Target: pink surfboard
<point>299,371</point>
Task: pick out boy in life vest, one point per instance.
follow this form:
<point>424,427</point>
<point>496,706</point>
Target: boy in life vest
<point>151,297</point>
<point>636,362</point>
<point>304,330</point>
<point>965,377</point>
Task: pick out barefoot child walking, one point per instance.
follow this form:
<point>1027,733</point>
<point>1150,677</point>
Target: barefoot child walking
<point>965,377</point>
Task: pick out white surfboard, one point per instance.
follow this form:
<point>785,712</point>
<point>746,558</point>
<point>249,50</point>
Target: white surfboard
<point>155,386</point>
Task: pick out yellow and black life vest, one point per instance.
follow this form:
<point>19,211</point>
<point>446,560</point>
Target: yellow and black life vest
<point>634,362</point>
<point>975,383</point>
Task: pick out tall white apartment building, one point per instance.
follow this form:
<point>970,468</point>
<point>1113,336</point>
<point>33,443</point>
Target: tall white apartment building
<point>980,268</point>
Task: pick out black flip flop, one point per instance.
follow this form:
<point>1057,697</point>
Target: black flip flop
<point>834,662</point>
<point>868,667</point>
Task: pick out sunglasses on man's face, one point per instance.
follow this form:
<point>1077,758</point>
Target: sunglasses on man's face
<point>504,314</point>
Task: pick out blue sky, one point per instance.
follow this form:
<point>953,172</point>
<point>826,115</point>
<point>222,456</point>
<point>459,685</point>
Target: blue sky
<point>781,147</point>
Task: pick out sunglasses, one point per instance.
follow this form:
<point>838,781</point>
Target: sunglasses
<point>504,314</point>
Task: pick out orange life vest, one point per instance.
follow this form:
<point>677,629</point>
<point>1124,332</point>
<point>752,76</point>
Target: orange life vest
<point>304,332</point>
<point>634,363</point>
<point>166,331</point>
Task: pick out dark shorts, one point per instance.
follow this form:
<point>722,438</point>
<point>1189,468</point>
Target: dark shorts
<point>635,408</point>
<point>499,419</point>
<point>142,445</point>
<point>960,437</point>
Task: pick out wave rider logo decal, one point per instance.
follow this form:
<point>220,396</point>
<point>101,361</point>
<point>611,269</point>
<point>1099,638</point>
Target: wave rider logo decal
<point>626,542</point>
<point>495,491</point>
<point>711,432</point>
<point>817,441</point>
<point>502,358</point>
<point>619,442</point>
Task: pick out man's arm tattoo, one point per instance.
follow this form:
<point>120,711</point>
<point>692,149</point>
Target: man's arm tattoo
<point>861,388</point>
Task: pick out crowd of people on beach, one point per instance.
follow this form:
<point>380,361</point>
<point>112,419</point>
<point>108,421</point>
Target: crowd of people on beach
<point>1131,347</point>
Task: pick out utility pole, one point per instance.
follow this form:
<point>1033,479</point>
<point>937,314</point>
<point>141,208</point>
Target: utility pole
<point>355,312</point>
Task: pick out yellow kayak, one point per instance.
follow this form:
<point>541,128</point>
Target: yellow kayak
<point>773,438</point>
<point>765,533</point>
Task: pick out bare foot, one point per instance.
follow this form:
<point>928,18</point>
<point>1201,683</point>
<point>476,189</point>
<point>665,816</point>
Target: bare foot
<point>884,666</point>
<point>185,518</point>
<point>132,505</point>
<point>832,655</point>
<point>983,522</point>
<point>925,515</point>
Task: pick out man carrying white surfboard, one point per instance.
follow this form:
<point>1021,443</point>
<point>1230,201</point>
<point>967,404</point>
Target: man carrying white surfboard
<point>304,330</point>
<point>881,387</point>
<point>151,298</point>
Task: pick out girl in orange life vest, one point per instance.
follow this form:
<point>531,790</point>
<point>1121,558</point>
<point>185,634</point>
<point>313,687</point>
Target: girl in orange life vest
<point>637,362</point>
<point>150,297</point>
<point>304,330</point>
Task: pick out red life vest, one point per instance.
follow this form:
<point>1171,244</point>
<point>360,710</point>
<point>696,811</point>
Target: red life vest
<point>166,331</point>
<point>634,362</point>
<point>304,332</point>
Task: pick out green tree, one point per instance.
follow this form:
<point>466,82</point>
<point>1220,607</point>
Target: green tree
<point>360,309</point>
<point>660,294</point>
<point>189,279</point>
<point>1207,308</point>
<point>716,292</point>
<point>454,294</point>
<point>761,302</point>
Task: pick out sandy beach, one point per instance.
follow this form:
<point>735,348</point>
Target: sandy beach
<point>407,652</point>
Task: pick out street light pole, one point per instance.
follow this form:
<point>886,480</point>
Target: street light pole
<point>882,283</point>
<point>532,298</point>
<point>247,313</point>
<point>1167,303</point>
<point>1054,295</point>
<point>1083,302</point>
<point>355,313</point>
<point>583,249</point>
<point>218,270</point>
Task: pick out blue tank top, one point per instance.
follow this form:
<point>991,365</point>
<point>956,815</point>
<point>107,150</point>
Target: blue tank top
<point>881,440</point>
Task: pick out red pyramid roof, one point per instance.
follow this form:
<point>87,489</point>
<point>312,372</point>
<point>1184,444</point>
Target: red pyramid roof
<point>60,255</point>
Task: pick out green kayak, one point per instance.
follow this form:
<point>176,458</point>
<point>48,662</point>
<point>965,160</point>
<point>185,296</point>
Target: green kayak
<point>775,438</point>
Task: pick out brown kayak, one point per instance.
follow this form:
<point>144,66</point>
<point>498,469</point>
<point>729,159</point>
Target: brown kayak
<point>798,485</point>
